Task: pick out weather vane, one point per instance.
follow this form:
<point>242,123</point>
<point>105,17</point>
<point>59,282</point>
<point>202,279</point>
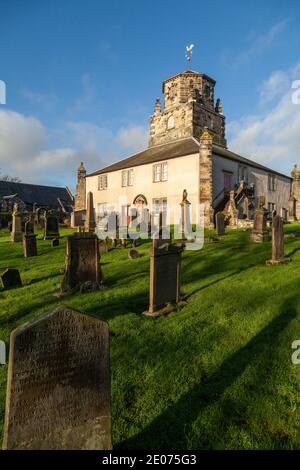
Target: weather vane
<point>189,51</point>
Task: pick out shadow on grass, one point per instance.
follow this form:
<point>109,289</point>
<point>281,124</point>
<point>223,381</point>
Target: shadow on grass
<point>171,428</point>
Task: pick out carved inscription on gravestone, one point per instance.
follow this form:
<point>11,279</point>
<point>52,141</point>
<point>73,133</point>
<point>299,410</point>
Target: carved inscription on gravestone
<point>58,391</point>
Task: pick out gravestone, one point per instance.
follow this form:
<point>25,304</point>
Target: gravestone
<point>16,231</point>
<point>103,247</point>
<point>260,233</point>
<point>133,254</point>
<point>29,245</point>
<point>82,264</point>
<point>90,224</point>
<point>58,388</point>
<point>55,242</point>
<point>220,224</point>
<point>2,353</point>
<point>11,279</point>
<point>277,242</point>
<point>51,227</point>
<point>165,266</point>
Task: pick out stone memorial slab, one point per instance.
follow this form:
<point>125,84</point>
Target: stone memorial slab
<point>260,232</point>
<point>16,231</point>
<point>90,224</point>
<point>82,266</point>
<point>2,353</point>
<point>55,242</point>
<point>29,245</point>
<point>103,247</point>
<point>165,267</point>
<point>51,227</point>
<point>220,224</point>
<point>277,242</point>
<point>11,278</point>
<point>58,390</point>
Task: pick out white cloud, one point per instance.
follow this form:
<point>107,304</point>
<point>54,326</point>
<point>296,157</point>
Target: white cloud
<point>273,136</point>
<point>36,154</point>
<point>47,100</point>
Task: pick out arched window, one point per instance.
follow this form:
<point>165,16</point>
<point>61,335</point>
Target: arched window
<point>170,123</point>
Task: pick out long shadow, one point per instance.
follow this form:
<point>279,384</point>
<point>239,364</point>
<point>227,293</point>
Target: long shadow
<point>169,430</point>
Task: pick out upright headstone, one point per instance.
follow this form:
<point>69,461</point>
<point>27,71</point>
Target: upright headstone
<point>165,266</point>
<point>58,388</point>
<point>277,242</point>
<point>16,232</point>
<point>55,242</point>
<point>82,266</point>
<point>260,232</point>
<point>51,227</point>
<point>29,240</point>
<point>220,224</point>
<point>90,224</point>
<point>2,353</point>
<point>11,278</point>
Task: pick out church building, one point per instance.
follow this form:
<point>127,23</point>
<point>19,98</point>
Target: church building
<point>187,154</point>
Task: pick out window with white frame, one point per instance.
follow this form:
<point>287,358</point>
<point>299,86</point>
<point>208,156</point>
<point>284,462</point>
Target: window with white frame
<point>102,182</point>
<point>159,205</point>
<point>160,172</point>
<point>271,183</point>
<point>127,177</point>
<point>102,210</point>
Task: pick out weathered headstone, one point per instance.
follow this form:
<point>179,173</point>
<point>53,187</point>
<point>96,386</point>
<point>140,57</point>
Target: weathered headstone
<point>51,227</point>
<point>11,278</point>
<point>2,353</point>
<point>16,232</point>
<point>220,224</point>
<point>58,390</point>
<point>260,232</point>
<point>133,254</point>
<point>55,242</point>
<point>29,245</point>
<point>82,264</point>
<point>277,242</point>
<point>165,266</point>
<point>90,224</point>
<point>103,247</point>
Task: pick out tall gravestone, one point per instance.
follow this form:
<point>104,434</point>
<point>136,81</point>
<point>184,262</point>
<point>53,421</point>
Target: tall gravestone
<point>16,232</point>
<point>82,266</point>
<point>277,242</point>
<point>58,389</point>
<point>220,224</point>
<point>165,266</point>
<point>90,223</point>
<point>51,227</point>
<point>29,240</point>
<point>260,233</point>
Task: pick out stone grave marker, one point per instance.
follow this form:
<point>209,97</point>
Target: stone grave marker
<point>58,388</point>
<point>51,227</point>
<point>165,266</point>
<point>220,224</point>
<point>2,353</point>
<point>55,242</point>
<point>82,264</point>
<point>133,254</point>
<point>29,245</point>
<point>277,242</point>
<point>11,278</point>
<point>16,231</point>
<point>90,224</point>
<point>103,247</point>
<point>260,232</point>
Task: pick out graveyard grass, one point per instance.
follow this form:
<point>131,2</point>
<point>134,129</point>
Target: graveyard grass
<point>215,375</point>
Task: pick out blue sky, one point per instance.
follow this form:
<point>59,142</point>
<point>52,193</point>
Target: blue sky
<point>82,78</point>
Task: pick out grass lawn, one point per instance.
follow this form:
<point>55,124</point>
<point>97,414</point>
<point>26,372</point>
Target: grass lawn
<point>217,374</point>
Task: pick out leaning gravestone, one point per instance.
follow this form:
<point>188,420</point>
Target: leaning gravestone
<point>51,227</point>
<point>11,278</point>
<point>220,224</point>
<point>82,266</point>
<point>277,242</point>
<point>165,266</point>
<point>58,389</point>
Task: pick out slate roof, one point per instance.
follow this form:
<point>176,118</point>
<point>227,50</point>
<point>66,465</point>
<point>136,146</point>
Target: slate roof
<point>178,148</point>
<point>33,193</point>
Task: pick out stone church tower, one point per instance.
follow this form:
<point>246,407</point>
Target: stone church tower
<point>80,198</point>
<point>189,108</point>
